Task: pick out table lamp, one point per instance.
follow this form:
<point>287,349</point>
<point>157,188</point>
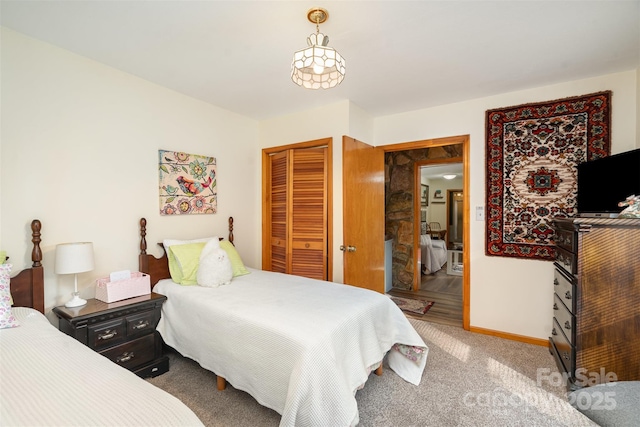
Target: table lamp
<point>74,258</point>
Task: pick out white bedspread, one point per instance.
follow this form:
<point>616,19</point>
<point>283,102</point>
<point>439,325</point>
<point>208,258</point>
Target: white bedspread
<point>49,379</point>
<point>433,253</point>
<point>299,346</point>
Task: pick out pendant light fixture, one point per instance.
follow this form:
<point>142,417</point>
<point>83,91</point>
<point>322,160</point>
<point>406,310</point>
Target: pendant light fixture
<point>317,66</point>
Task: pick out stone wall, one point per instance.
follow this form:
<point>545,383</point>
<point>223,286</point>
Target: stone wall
<point>399,193</point>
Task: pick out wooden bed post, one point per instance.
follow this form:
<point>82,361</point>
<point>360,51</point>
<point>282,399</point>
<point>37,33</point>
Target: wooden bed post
<point>36,253</point>
<point>143,260</point>
<point>37,291</point>
<point>231,229</point>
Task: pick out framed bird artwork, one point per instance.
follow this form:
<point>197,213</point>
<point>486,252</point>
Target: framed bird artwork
<point>187,183</point>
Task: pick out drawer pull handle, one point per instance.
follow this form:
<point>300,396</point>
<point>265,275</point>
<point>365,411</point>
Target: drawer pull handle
<point>553,331</point>
<point>141,324</point>
<point>567,295</point>
<point>567,325</point>
<point>555,282</point>
<point>125,357</point>
<point>107,335</point>
<point>555,306</point>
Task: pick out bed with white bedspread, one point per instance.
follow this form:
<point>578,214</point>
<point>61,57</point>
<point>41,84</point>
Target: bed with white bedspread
<point>47,378</point>
<point>300,346</point>
<point>50,379</point>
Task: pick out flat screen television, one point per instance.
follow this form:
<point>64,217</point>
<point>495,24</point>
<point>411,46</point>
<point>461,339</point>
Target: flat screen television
<point>603,183</point>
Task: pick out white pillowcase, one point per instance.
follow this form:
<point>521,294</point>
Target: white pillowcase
<point>215,268</point>
<point>175,263</point>
<point>7,319</point>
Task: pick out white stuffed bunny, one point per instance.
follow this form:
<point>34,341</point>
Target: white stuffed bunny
<point>215,268</point>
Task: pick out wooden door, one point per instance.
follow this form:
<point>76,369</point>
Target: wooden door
<point>307,228</point>
<point>363,214</point>
<point>278,213</point>
<point>296,211</point>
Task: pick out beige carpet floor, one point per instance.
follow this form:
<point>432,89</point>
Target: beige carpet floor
<point>470,380</point>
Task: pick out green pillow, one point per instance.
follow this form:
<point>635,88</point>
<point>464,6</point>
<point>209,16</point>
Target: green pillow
<point>186,259</point>
<point>234,257</point>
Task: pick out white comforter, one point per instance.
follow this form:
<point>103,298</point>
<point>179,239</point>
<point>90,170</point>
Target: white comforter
<point>49,379</point>
<point>433,253</point>
<point>299,346</point>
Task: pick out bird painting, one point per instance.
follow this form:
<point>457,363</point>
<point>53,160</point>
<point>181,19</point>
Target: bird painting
<point>190,187</point>
<point>187,183</point>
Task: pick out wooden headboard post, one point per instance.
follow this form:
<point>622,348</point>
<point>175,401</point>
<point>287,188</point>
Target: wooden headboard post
<point>27,287</point>
<point>143,261</point>
<point>231,229</point>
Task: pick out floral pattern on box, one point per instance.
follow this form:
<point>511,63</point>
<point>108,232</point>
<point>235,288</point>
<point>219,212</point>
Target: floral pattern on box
<point>187,183</point>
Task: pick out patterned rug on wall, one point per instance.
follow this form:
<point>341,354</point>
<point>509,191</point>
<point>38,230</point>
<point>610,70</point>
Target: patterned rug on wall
<point>532,153</point>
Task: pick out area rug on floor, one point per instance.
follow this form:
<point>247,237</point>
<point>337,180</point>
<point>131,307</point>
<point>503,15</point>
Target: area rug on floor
<point>416,306</point>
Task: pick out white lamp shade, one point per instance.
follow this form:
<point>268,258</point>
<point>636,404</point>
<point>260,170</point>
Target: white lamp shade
<point>74,257</point>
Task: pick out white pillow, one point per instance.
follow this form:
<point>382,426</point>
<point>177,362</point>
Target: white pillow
<point>7,319</point>
<point>215,268</point>
<point>175,267</point>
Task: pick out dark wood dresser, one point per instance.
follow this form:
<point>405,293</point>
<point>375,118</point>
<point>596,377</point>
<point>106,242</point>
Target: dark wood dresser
<point>595,336</point>
<point>124,331</point>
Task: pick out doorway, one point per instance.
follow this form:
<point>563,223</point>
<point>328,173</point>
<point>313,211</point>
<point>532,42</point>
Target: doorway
<point>406,251</point>
<point>441,241</point>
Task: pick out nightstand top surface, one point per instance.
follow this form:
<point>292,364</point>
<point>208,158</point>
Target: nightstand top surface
<point>94,306</point>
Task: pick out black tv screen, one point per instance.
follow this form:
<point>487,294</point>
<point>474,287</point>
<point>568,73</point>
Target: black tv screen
<point>605,182</point>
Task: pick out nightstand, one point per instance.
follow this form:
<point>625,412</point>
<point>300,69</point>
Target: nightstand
<point>123,331</point>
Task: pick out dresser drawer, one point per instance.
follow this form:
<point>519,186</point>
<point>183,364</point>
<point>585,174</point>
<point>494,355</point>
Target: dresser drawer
<point>133,353</point>
<point>566,260</point>
<point>106,334</point>
<point>140,324</point>
<point>566,352</point>
<point>565,289</point>
<point>566,320</point>
<point>566,239</point>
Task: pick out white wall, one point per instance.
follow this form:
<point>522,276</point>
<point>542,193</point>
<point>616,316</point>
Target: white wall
<point>437,212</point>
<point>79,152</point>
<point>509,295</point>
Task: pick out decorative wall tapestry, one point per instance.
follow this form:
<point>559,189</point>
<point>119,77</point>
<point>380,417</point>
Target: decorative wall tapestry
<point>187,183</point>
<point>532,155</point>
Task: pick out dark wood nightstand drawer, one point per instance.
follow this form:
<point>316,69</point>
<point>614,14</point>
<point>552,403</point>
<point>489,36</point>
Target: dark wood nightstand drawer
<point>106,334</point>
<point>133,353</point>
<point>124,331</point>
<point>140,324</point>
<point>155,368</point>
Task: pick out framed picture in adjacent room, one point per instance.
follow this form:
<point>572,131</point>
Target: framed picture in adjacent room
<point>425,195</point>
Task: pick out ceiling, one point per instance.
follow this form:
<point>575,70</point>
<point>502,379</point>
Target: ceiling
<point>400,55</point>
<point>438,171</point>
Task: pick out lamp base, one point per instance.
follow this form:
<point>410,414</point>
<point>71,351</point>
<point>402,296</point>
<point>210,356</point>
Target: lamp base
<point>76,301</point>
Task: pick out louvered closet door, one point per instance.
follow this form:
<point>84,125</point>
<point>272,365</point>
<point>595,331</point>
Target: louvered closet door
<point>279,190</point>
<point>307,228</point>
